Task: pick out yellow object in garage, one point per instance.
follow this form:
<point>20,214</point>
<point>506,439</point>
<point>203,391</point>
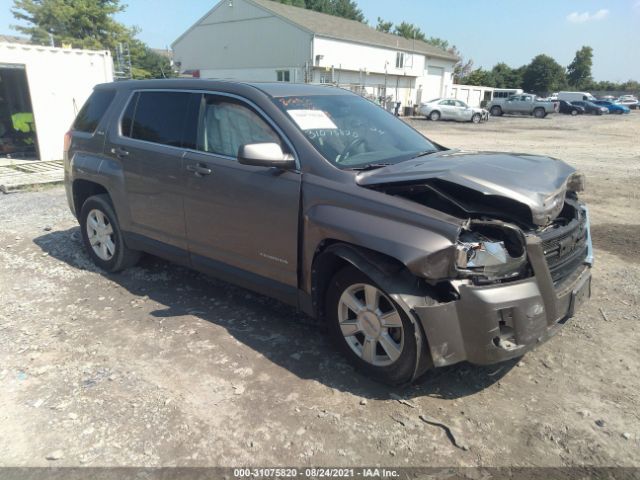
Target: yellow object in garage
<point>23,122</point>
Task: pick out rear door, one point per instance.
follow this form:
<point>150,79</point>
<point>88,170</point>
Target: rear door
<point>149,140</point>
<point>242,221</point>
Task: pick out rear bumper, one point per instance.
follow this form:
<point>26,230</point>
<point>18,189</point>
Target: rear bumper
<point>490,324</point>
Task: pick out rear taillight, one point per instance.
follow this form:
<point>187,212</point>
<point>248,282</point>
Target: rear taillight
<point>67,141</point>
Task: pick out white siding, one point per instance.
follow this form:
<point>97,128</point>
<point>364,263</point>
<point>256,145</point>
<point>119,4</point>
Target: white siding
<point>355,57</point>
<point>268,74</point>
<point>60,80</point>
<point>241,37</point>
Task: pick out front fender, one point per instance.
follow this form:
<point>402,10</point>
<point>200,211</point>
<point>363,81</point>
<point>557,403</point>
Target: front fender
<point>425,250</point>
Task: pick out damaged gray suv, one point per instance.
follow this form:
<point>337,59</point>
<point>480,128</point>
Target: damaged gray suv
<point>413,255</point>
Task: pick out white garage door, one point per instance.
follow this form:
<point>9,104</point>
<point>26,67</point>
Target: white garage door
<point>434,83</point>
<point>474,98</point>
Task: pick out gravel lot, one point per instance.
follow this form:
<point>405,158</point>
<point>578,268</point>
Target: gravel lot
<point>163,366</point>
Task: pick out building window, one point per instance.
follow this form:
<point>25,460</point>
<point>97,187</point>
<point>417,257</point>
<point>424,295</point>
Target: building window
<point>399,60</point>
<point>283,75</point>
<point>326,78</point>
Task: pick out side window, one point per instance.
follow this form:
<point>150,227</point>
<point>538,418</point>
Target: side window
<point>161,117</point>
<point>92,111</point>
<point>127,116</point>
<point>226,124</point>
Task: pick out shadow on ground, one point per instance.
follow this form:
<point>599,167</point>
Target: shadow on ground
<point>269,327</point>
<point>622,240</point>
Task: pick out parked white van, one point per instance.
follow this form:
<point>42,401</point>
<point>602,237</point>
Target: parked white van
<point>576,97</point>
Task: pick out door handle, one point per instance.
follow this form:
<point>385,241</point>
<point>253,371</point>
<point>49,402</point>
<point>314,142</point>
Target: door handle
<point>120,152</point>
<point>199,170</point>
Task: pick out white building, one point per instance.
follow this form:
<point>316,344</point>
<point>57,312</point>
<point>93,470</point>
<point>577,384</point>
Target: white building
<point>262,40</point>
<point>44,87</point>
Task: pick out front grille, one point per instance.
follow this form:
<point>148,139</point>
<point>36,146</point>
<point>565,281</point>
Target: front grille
<point>565,246</point>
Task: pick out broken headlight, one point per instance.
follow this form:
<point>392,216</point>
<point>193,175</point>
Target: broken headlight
<point>499,256</point>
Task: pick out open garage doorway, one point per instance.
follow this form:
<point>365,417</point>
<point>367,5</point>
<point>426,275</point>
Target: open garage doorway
<point>18,138</point>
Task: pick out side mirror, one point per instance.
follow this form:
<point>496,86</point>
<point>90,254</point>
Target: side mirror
<point>265,155</point>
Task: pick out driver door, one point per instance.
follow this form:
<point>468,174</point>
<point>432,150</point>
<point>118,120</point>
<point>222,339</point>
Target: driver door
<point>448,110</point>
<point>241,221</point>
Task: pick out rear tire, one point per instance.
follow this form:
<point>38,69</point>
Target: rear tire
<point>434,116</point>
<point>539,113</point>
<point>102,237</point>
<point>352,332</point>
<point>496,111</point>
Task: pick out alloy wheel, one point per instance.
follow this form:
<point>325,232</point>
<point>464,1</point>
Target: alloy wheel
<point>371,325</point>
<point>100,235</point>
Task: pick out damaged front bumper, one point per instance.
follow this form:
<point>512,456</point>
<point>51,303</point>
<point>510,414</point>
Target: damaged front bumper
<point>490,324</point>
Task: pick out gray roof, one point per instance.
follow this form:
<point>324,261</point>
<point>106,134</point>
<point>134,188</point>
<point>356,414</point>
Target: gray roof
<point>342,29</point>
<point>14,39</point>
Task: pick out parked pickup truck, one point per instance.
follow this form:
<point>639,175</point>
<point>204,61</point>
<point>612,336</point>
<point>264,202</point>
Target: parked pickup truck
<point>525,104</point>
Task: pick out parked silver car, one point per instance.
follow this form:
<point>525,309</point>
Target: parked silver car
<point>451,109</point>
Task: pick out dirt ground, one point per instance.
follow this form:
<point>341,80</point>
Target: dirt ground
<point>163,366</point>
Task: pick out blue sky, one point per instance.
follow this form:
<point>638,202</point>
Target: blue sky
<point>488,31</point>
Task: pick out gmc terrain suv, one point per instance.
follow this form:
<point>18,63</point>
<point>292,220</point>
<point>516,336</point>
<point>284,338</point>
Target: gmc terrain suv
<point>413,255</point>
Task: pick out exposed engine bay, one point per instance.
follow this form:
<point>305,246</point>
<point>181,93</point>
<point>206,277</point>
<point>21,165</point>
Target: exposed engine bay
<point>491,247</point>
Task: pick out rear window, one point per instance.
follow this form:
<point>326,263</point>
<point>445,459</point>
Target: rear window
<point>161,117</point>
<point>93,110</point>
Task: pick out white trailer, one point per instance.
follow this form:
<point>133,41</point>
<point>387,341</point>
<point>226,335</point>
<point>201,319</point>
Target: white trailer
<point>576,97</point>
<point>41,90</point>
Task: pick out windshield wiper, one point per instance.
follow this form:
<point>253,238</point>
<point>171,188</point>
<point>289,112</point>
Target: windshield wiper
<point>371,166</point>
<point>425,153</point>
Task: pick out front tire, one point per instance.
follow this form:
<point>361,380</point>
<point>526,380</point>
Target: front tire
<point>102,236</point>
<point>434,116</point>
<point>369,328</point>
<point>496,111</point>
<point>574,113</point>
<point>477,118</point>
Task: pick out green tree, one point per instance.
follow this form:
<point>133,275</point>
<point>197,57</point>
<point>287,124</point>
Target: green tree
<point>410,31</point>
<point>384,26</point>
<point>579,70</point>
<point>543,75</point>
<point>87,24</point>
<point>506,77</point>
<point>81,23</point>
<point>440,43</point>
<point>478,77</point>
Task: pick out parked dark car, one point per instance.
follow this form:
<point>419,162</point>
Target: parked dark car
<point>411,254</point>
<point>569,108</point>
<point>590,107</point>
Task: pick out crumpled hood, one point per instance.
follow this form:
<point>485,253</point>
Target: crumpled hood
<point>536,181</point>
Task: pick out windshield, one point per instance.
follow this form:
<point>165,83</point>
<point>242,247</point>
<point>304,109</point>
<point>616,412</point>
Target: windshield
<point>351,132</point>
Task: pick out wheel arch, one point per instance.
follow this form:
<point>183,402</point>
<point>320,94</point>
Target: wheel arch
<point>83,189</point>
<point>387,272</point>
